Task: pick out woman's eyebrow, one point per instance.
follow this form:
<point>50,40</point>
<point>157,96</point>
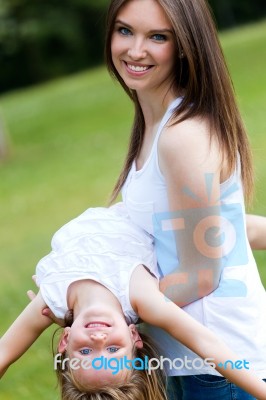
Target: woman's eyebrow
<point>164,30</point>
<point>119,21</point>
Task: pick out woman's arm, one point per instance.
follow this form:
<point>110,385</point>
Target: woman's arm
<point>191,164</point>
<point>23,332</point>
<point>154,308</point>
<point>256,231</point>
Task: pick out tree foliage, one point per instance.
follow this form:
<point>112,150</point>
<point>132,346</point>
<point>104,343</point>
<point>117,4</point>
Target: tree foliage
<point>234,12</point>
<point>42,39</point>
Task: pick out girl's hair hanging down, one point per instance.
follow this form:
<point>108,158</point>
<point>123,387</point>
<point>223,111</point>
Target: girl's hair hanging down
<point>203,78</point>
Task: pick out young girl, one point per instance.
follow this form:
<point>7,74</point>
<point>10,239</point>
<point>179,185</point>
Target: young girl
<point>102,267</point>
<point>187,168</point>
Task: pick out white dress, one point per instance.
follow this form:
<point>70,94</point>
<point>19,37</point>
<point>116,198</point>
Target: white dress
<point>101,244</point>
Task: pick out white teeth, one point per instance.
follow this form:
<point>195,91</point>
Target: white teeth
<point>96,325</point>
<point>137,68</point>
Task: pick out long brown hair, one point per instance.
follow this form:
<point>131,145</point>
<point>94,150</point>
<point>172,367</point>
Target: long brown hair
<point>203,75</point>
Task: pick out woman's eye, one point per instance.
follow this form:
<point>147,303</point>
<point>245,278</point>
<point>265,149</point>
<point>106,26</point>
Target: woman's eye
<point>158,37</point>
<point>124,31</point>
<point>85,352</point>
<point>113,349</point>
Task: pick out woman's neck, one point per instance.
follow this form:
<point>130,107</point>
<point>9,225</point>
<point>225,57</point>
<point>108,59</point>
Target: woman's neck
<point>154,106</point>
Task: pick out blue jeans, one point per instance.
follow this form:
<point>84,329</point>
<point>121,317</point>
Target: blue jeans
<point>204,387</point>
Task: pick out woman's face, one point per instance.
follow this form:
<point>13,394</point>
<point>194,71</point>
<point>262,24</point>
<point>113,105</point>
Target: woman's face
<point>143,47</point>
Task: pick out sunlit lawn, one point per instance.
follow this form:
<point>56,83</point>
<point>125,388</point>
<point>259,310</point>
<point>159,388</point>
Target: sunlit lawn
<point>68,143</point>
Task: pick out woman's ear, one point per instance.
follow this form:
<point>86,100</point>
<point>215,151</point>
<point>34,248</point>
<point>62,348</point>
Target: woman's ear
<point>63,342</point>
<point>136,336</point>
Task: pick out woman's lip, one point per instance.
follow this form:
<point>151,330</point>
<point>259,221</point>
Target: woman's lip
<point>140,68</point>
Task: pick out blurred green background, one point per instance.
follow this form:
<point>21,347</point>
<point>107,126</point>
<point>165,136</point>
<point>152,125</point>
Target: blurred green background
<point>44,39</point>
<point>67,141</point>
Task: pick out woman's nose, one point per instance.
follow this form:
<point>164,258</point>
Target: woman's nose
<point>137,50</point>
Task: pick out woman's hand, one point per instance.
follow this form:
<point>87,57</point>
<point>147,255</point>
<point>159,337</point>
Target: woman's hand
<point>256,231</point>
<point>46,310</point>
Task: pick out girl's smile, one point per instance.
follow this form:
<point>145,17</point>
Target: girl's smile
<point>92,325</point>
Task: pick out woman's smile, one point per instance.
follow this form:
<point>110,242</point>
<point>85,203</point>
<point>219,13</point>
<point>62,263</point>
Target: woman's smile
<point>143,49</point>
<point>137,69</point>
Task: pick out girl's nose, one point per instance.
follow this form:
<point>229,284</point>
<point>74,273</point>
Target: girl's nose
<point>98,337</point>
<point>137,50</point>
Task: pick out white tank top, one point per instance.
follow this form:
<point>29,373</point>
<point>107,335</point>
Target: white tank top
<point>236,310</point>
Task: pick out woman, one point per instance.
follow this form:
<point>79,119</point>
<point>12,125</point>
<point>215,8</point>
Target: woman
<point>187,168</point>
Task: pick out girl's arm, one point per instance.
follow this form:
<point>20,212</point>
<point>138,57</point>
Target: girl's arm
<point>256,231</point>
<point>23,332</point>
<point>152,307</point>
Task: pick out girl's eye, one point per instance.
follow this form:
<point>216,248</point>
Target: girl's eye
<point>85,352</point>
<point>159,38</point>
<point>124,31</point>
<point>113,349</point>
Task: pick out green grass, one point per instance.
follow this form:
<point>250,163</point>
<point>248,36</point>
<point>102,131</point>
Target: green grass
<point>244,50</point>
<point>68,143</point>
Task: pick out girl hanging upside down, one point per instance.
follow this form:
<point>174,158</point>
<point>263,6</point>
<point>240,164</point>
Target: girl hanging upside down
<point>102,270</point>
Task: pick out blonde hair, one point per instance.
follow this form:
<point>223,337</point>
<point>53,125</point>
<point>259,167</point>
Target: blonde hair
<point>202,75</point>
<point>142,384</point>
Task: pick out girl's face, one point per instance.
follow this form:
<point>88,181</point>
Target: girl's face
<point>93,340</point>
<point>143,48</point>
